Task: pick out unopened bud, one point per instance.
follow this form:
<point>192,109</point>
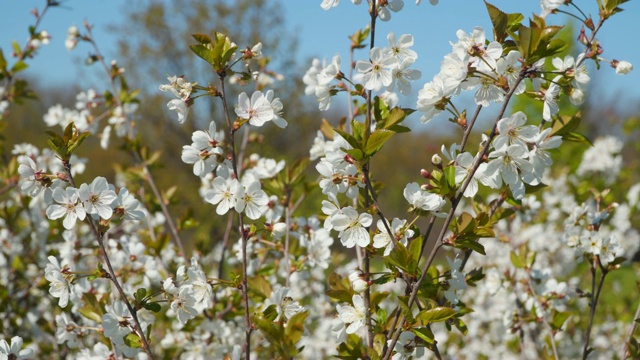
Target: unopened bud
<point>348,158</point>
<point>425,173</point>
<point>436,160</point>
<point>462,120</point>
<point>582,38</point>
<point>622,67</point>
<point>358,283</point>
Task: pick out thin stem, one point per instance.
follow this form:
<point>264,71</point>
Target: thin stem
<point>595,295</point>
<point>367,199</point>
<point>467,131</point>
<point>632,329</point>
<point>287,215</point>
<point>136,154</point>
<point>542,316</point>
<point>245,235</point>
<point>111,273</point>
<point>454,205</point>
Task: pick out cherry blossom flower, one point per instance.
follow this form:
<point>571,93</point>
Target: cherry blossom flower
<point>73,36</point>
<point>97,197</point>
<point>432,99</point>
<point>352,227</point>
<point>59,286</point>
<point>116,322</point>
<point>622,67</point>
<point>67,331</point>
<point>376,73</point>
<point>421,199</point>
<point>252,200</point>
<point>204,160</point>
<point>401,76</point>
<point>319,248</point>
<point>181,107</point>
<point>510,67</point>
<point>14,351</point>
<point>30,176</point>
<point>550,107</point>
<point>406,347</point>
<point>383,239</point>
<point>512,130</point>
<point>183,304</point>
<point>505,165</point>
<point>358,283</point>
<point>67,206</point>
<point>285,305</point>
<point>353,317</point>
<point>549,6</point>
<point>202,292</point>
<point>257,110</point>
<point>328,4</point>
<point>127,205</point>
<point>224,193</point>
<point>401,48</point>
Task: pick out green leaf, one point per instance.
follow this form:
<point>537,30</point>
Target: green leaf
<point>133,341</point>
<point>437,314</point>
<point>3,63</point>
<point>415,250</point>
<point>140,295</point>
<point>396,116</point>
<point>271,312</point>
<point>349,138</point>
<point>425,334</point>
<point>19,66</point>
<point>259,286</point>
<point>358,130</point>
<point>460,325</point>
<point>517,261</point>
<point>92,309</point>
<point>575,137</point>
<point>472,244</point>
<point>357,154</point>
<point>450,174</point>
<point>204,53</point>
<point>403,303</point>
<point>401,258</point>
<point>295,328</point>
<point>499,20</point>
<point>295,171</point>
<point>558,318</point>
<point>152,306</point>
<point>377,140</point>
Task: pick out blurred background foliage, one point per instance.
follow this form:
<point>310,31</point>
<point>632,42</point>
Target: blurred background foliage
<point>153,40</point>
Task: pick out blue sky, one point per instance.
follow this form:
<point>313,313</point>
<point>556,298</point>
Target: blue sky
<point>322,33</point>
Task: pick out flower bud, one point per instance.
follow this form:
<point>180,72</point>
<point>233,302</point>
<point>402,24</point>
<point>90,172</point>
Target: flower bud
<point>358,283</point>
<point>622,67</point>
<point>278,230</point>
<point>425,173</point>
<point>436,160</point>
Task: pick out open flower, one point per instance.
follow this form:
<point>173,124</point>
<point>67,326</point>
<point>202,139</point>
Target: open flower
<point>67,206</point>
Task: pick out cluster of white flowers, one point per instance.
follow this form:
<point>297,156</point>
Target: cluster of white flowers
<point>99,198</point>
<point>387,67</point>
<point>189,293</point>
<point>384,7</point>
<point>261,108</point>
<point>602,159</point>
<point>73,35</point>
<point>182,90</point>
<point>337,173</point>
<point>205,152</point>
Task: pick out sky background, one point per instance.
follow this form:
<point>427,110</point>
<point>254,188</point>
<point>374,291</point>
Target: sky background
<point>323,33</point>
